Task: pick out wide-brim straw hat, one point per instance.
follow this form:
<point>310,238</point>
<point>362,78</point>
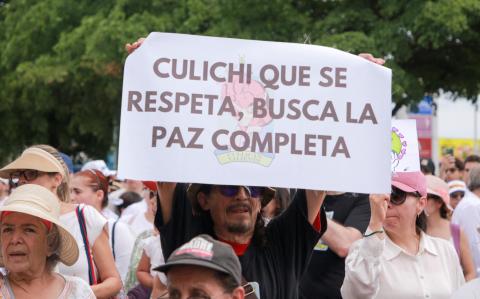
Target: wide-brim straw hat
<point>38,201</point>
<point>193,189</point>
<point>36,159</point>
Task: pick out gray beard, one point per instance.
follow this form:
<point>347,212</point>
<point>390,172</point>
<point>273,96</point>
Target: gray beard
<point>238,228</point>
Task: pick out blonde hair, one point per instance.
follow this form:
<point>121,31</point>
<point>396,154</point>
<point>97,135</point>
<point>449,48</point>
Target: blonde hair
<point>63,191</point>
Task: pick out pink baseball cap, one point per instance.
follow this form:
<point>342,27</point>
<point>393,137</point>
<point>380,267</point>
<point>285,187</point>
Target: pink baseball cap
<point>410,182</point>
<point>437,186</point>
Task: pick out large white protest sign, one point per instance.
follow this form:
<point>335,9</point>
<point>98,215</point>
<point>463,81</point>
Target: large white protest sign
<point>405,155</point>
<point>228,111</point>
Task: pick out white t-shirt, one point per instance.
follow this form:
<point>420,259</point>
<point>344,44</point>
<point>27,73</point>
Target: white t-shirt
<point>467,215</point>
<point>122,247</point>
<point>109,214</point>
<point>95,224</point>
<point>135,209</point>
<point>153,250</point>
<point>137,223</point>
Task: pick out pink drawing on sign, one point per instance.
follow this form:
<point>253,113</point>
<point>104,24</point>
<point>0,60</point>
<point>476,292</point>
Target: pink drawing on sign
<point>242,95</point>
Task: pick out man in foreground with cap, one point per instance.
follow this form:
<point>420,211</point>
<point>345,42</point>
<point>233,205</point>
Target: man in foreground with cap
<point>273,257</point>
<point>203,268</point>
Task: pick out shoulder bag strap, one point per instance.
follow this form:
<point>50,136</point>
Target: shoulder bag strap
<point>83,230</point>
<point>113,238</point>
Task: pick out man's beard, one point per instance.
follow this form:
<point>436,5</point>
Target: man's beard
<point>238,228</point>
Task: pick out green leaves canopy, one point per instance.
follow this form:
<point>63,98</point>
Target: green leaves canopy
<point>61,61</point>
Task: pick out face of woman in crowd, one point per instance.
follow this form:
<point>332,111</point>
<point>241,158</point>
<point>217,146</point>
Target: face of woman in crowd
<point>455,198</point>
<point>24,243</point>
<point>402,216</point>
<point>82,191</point>
<point>433,205</point>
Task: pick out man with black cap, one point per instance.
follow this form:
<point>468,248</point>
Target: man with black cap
<point>274,257</point>
<point>203,268</point>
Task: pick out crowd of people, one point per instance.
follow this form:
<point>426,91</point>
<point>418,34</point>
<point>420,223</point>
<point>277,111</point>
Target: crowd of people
<point>88,234</point>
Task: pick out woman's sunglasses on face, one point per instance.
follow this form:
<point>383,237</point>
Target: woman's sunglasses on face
<point>398,197</point>
<point>457,195</point>
<point>229,191</point>
<point>27,174</point>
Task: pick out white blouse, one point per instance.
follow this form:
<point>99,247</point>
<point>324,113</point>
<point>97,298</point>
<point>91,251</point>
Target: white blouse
<point>378,268</point>
<point>95,225</point>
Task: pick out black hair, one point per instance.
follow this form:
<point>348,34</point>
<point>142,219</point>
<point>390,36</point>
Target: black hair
<point>459,164</point>
<point>227,281</point>
<point>129,198</point>
<point>421,222</point>
<point>472,158</point>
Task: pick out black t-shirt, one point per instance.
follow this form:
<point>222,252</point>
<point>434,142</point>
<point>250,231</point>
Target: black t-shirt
<point>277,267</point>
<point>324,276</point>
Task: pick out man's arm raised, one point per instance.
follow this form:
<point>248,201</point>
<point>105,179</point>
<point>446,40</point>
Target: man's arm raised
<point>165,194</point>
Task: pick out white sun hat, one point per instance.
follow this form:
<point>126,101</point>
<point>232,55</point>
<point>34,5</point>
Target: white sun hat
<point>38,201</point>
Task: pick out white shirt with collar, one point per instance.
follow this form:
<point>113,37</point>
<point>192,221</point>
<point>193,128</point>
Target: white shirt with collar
<point>467,216</point>
<point>378,268</point>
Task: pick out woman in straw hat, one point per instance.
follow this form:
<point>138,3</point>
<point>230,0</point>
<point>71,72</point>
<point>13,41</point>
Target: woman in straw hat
<point>32,242</point>
<point>43,165</point>
<point>438,213</point>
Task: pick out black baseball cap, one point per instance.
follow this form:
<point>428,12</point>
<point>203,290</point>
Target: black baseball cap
<point>204,251</point>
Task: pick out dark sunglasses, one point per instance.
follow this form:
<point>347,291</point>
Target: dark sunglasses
<point>27,174</point>
<point>229,191</point>
<point>458,194</point>
<point>398,197</point>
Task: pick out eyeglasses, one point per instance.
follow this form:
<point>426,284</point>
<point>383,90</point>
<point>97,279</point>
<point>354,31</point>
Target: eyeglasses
<point>27,174</point>
<point>398,197</point>
<point>452,170</point>
<point>229,191</point>
<point>458,194</point>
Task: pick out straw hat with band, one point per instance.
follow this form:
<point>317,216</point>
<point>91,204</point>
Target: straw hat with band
<point>36,159</point>
<point>38,201</point>
<point>267,194</point>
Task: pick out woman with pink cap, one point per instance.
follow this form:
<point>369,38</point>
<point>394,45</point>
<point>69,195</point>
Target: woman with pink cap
<point>396,259</point>
<point>438,213</point>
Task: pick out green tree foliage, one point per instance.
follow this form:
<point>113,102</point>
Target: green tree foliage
<point>61,61</point>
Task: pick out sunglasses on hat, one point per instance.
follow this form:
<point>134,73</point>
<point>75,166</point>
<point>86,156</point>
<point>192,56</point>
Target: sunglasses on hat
<point>229,191</point>
<point>398,197</point>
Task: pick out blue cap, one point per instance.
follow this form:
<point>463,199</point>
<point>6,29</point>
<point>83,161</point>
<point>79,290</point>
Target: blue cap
<point>67,161</point>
